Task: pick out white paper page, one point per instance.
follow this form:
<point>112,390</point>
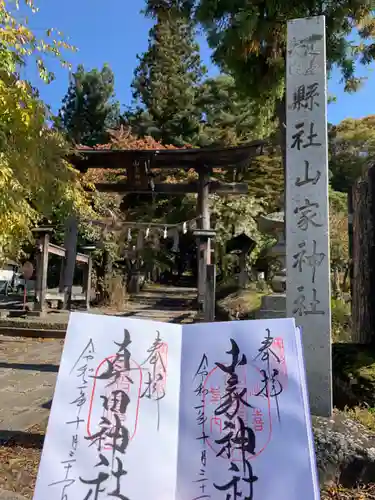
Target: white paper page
<point>276,459</point>
<point>305,397</point>
<point>145,409</point>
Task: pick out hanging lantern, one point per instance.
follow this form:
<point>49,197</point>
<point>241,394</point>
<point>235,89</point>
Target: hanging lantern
<point>184,227</point>
<point>147,233</point>
<point>165,233</point>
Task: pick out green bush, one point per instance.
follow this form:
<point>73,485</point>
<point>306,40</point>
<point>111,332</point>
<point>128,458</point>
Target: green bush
<point>341,320</point>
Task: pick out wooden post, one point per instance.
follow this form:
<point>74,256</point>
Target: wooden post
<point>350,235</point>
<point>62,271</point>
<point>41,270</point>
<point>199,250</point>
<point>139,249</point>
<point>87,273</point>
<point>87,282</point>
<point>70,244</point>
<point>210,302</point>
<point>155,273</point>
<point>204,245</point>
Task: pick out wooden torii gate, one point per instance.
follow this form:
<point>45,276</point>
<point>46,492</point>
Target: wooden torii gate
<point>139,167</point>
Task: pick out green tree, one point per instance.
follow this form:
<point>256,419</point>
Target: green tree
<point>167,78</point>
<point>352,149</point>
<point>249,40</point>
<point>89,108</point>
<point>35,179</point>
<point>140,122</point>
<point>229,118</point>
<point>339,238</point>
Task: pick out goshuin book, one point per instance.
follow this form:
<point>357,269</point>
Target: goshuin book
<point>149,410</point>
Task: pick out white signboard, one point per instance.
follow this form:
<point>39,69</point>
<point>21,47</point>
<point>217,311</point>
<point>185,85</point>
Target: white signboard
<point>148,410</point>
<point>307,231</point>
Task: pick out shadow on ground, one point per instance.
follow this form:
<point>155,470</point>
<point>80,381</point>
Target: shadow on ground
<point>26,439</point>
<point>30,366</point>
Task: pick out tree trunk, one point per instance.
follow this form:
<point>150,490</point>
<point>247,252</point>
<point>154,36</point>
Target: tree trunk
<point>281,113</point>
<point>103,274</point>
<point>363,299</point>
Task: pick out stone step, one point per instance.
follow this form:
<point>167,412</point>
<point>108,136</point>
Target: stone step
<point>165,318</point>
<point>269,314</point>
<point>162,303</point>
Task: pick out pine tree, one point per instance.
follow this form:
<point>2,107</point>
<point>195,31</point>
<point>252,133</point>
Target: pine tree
<point>230,118</point>
<point>89,108</point>
<point>167,78</point>
<point>248,38</point>
<point>352,150</point>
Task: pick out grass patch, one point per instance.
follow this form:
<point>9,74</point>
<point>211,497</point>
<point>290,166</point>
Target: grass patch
<point>341,320</point>
<point>242,304</point>
<point>354,375</point>
<point>337,492</point>
<point>365,416</point>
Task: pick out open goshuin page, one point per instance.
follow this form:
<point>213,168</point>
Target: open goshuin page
<point>153,410</point>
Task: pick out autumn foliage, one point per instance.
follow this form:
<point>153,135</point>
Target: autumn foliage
<point>35,179</point>
<point>124,139</point>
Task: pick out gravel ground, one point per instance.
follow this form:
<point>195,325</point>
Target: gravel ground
<point>19,461</point>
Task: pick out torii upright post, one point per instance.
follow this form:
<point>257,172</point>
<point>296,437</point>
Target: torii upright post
<point>203,244</point>
<point>70,244</point>
<point>43,235</point>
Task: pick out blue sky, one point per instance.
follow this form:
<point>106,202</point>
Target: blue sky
<point>114,31</point>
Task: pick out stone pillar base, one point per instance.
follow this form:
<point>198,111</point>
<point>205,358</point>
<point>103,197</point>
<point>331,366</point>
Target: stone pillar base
<point>272,306</point>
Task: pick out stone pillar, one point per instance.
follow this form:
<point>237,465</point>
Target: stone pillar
<point>243,278</point>
<point>307,212</point>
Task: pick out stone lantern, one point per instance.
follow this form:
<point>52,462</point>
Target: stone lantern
<point>241,245</point>
<point>274,306</point>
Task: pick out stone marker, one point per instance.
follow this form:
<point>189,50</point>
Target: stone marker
<point>307,234</point>
<point>274,306</point>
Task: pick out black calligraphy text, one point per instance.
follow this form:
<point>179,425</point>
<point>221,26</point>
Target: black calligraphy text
<point>237,435</point>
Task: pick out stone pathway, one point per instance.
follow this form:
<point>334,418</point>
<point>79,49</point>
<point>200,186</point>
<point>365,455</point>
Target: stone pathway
<point>28,367</point>
<point>28,371</point>
<point>10,495</point>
